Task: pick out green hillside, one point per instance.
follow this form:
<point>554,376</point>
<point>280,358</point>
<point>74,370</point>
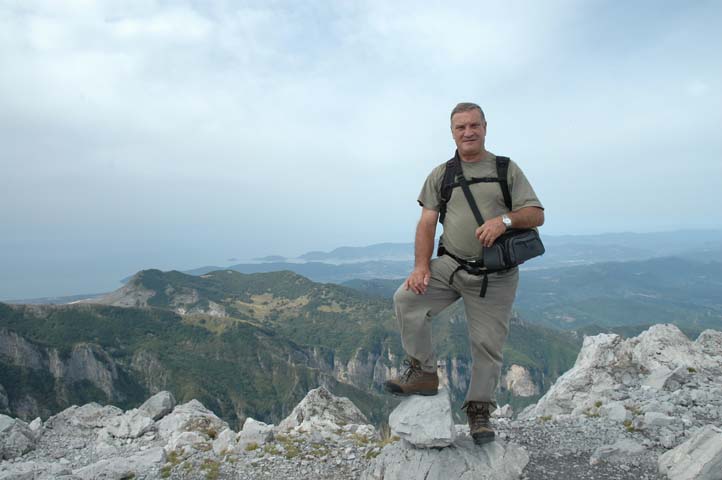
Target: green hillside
<point>244,369</point>
<point>246,345</point>
<point>660,290</point>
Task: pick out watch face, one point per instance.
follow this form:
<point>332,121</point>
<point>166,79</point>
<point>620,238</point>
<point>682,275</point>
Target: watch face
<point>506,220</point>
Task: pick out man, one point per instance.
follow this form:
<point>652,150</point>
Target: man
<point>435,284</point>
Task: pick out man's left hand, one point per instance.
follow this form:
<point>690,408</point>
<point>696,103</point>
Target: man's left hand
<point>490,231</point>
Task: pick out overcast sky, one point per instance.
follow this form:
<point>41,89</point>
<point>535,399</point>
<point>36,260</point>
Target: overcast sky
<point>138,134</point>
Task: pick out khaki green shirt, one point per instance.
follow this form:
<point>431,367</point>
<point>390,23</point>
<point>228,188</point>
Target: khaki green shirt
<point>459,224</point>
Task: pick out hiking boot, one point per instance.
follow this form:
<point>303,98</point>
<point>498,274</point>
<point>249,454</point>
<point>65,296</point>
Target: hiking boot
<point>414,381</point>
<point>478,413</point>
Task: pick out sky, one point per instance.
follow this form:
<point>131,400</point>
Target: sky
<point>153,134</point>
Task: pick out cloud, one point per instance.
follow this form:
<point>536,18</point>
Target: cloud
<point>238,122</point>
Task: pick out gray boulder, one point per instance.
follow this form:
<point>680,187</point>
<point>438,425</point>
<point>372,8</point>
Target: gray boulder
<point>503,412</point>
<point>159,405</point>
<point>254,432</point>
<point>90,416</point>
<point>16,438</point>
<point>35,470</point>
<point>225,443</point>
<point>323,411</point>
<point>132,424</point>
<point>699,458</point>
<point>463,461</point>
<point>424,422</point>
<point>619,452</point>
<point>143,464</point>
<point>191,416</point>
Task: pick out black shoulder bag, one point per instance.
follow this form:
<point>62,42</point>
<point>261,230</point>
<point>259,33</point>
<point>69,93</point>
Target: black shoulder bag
<point>512,248</point>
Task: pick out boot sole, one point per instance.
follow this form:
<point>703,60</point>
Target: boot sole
<point>482,439</point>
<point>404,394</point>
<point>401,393</point>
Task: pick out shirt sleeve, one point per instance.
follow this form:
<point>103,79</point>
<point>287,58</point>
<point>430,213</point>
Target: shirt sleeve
<point>522,193</point>
<point>430,196</point>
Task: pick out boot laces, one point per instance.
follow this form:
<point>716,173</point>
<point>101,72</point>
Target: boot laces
<point>412,369</point>
<point>477,412</point>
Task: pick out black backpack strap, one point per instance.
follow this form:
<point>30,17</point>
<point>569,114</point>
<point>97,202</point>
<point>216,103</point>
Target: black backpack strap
<point>469,197</point>
<point>502,171</point>
<point>447,185</point>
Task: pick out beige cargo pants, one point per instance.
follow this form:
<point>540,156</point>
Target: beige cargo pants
<point>487,320</point>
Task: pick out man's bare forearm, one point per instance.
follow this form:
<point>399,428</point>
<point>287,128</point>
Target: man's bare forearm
<point>424,245</point>
<point>527,217</point>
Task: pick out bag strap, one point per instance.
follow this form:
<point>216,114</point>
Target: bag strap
<point>467,193</point>
<point>447,185</point>
<point>449,182</point>
<point>502,170</point>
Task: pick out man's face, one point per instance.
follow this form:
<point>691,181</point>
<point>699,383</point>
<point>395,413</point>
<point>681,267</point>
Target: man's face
<point>469,132</point>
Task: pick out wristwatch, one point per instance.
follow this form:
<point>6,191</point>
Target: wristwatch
<point>507,221</point>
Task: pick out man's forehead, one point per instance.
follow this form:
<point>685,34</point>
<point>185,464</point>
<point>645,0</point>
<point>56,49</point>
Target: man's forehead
<point>469,116</point>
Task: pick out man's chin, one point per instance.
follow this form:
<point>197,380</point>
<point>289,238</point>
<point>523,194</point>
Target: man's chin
<point>470,149</point>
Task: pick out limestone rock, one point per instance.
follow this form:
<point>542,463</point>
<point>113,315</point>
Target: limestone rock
<point>518,380</point>
<point>425,421</point>
<point>503,412</point>
<point>226,442</point>
<point>35,470</point>
<point>159,405</point>
<point>191,416</point>
<point>322,410</point>
<point>608,368</point>
<point>90,415</point>
<point>36,424</point>
<point>620,451</point>
<point>699,458</point>
<point>16,438</point>
<point>254,432</point>
<point>710,341</point>
<point>465,461</point>
<point>134,466</point>
<point>615,411</point>
<point>132,424</point>
<point>186,441</point>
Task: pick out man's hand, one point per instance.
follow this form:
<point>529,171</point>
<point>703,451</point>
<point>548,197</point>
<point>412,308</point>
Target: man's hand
<point>418,280</point>
<point>490,231</point>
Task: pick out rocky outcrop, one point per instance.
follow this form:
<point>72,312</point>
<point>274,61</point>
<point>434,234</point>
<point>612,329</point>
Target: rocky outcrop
<point>16,437</point>
<point>659,387</point>
<point>519,382</point>
<point>699,458</point>
<point>320,410</point>
<point>159,405</point>
<point>425,422</point>
<point>432,447</point>
<point>495,461</point>
<point>659,381</point>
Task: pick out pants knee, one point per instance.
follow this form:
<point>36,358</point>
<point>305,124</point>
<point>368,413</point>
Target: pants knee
<point>403,297</point>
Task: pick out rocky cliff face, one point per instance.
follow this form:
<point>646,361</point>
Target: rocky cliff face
<point>84,364</point>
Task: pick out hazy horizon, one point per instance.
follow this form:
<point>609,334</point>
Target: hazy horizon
<point>82,279</point>
<point>174,135</point>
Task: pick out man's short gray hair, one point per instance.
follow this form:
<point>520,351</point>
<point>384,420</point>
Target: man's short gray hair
<point>466,107</point>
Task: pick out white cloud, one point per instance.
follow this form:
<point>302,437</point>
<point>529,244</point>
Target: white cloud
<point>240,115</point>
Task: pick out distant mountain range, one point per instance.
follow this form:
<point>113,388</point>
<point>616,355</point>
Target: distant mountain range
<point>562,250</point>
